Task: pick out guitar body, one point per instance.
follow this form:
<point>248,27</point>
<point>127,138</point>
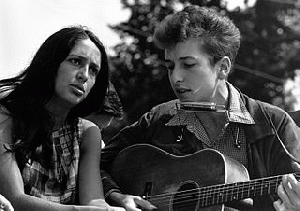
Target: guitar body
<point>172,182</point>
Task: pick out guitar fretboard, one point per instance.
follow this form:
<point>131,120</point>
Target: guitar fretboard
<point>219,194</point>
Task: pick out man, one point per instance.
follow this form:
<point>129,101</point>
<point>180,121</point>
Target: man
<point>210,116</point>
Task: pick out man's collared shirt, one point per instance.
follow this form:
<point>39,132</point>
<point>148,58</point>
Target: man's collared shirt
<point>231,141</point>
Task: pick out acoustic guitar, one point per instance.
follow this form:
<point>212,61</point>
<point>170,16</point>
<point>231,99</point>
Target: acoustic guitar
<point>205,180</point>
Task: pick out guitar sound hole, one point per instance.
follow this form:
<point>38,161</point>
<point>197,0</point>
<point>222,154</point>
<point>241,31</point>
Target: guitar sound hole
<point>186,197</point>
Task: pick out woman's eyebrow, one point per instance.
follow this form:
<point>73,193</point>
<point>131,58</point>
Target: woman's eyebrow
<point>85,58</point>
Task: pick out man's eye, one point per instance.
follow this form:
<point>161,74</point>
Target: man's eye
<point>189,65</point>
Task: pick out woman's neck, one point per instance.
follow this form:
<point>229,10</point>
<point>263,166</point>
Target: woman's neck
<point>59,115</point>
<point>59,122</point>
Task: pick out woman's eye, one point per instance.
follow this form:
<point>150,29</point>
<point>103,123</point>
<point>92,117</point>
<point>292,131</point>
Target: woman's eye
<point>94,70</point>
<point>75,61</point>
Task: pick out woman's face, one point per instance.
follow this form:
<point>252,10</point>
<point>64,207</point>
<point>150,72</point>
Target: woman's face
<point>77,73</point>
<point>191,74</point>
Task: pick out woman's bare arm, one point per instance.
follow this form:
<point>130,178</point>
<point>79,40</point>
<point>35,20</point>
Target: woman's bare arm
<point>90,185</point>
<point>12,186</point>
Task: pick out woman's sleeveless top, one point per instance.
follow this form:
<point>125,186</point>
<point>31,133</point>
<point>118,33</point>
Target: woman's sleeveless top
<point>57,183</point>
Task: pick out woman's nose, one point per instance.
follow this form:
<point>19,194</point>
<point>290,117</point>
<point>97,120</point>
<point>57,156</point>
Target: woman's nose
<point>83,74</point>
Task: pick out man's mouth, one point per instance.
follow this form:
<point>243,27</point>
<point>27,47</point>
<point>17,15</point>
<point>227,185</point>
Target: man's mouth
<point>182,90</point>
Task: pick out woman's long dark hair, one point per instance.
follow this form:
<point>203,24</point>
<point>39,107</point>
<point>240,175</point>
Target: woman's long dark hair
<point>26,95</point>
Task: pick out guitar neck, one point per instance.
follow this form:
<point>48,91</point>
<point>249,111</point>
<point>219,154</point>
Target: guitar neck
<point>219,194</point>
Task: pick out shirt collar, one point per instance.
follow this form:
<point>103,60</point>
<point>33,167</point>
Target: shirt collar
<point>237,111</point>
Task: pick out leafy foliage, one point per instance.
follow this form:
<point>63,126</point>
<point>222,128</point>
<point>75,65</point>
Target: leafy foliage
<point>269,52</point>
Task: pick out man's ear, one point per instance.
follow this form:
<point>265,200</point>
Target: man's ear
<point>225,66</point>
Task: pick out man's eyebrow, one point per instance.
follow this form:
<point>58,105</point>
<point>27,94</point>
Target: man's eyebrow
<point>186,57</point>
<point>181,58</point>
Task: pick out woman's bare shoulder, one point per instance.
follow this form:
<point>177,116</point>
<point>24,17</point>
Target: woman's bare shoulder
<point>91,133</point>
<point>86,124</point>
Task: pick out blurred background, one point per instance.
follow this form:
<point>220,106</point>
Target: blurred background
<point>267,66</point>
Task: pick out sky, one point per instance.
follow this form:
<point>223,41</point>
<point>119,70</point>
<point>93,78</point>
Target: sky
<point>26,24</point>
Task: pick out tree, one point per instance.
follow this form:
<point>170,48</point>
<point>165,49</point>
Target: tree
<point>268,55</point>
<point>269,48</point>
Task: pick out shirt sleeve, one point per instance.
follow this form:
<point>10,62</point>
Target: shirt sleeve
<point>109,185</point>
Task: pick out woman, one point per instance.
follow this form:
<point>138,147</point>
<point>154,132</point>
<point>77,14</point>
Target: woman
<point>49,155</point>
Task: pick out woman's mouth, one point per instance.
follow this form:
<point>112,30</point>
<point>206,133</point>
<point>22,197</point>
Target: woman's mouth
<point>78,89</point>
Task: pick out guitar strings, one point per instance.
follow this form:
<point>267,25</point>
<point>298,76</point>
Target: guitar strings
<point>211,190</point>
<point>211,196</point>
<point>204,201</point>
